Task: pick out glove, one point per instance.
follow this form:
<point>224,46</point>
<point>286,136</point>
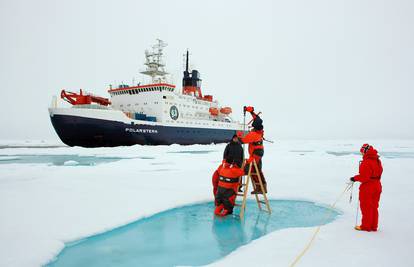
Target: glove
<point>352,179</point>
<point>239,134</point>
<point>249,109</point>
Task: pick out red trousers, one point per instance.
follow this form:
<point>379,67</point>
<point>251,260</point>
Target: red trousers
<point>369,197</point>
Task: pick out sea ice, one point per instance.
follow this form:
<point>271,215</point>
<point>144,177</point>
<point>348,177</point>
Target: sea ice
<point>44,206</point>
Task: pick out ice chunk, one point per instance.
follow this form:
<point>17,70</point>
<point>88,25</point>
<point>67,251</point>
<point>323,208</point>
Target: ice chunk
<point>70,163</point>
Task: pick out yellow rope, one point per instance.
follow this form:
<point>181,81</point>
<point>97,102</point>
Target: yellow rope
<point>349,186</point>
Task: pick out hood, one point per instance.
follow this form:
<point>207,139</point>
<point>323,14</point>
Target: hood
<point>233,142</point>
<point>257,123</point>
<point>372,153</point>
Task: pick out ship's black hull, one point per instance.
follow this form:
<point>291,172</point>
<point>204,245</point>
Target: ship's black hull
<point>90,132</point>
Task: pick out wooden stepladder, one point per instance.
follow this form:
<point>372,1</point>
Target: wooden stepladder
<point>245,187</point>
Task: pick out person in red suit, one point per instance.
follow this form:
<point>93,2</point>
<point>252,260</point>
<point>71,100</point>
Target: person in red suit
<point>256,149</point>
<point>370,172</point>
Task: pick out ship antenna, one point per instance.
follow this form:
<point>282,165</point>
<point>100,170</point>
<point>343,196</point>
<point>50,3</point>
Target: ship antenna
<point>186,62</point>
<point>155,66</point>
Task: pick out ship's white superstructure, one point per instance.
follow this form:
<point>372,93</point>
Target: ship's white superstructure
<point>157,99</point>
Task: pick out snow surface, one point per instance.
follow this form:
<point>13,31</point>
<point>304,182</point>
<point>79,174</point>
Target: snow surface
<point>44,206</point>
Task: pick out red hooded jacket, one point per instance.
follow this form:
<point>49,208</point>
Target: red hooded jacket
<point>370,168</point>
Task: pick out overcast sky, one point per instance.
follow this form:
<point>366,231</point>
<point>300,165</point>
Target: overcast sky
<point>317,69</point>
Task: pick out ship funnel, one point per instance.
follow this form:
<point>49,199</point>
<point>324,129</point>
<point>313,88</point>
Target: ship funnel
<point>191,81</point>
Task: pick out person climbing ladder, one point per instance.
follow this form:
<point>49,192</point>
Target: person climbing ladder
<point>256,149</point>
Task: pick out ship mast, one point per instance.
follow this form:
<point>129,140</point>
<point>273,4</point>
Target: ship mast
<point>155,66</point>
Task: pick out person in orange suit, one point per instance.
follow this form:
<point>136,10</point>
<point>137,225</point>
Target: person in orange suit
<point>226,178</point>
<point>256,149</point>
<point>232,153</point>
<point>228,184</point>
<point>370,172</point>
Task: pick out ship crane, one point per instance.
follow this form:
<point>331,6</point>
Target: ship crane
<point>82,99</point>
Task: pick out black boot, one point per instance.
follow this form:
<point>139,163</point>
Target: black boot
<point>258,190</point>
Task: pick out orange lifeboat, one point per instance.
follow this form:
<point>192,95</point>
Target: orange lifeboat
<point>226,110</point>
<point>213,111</point>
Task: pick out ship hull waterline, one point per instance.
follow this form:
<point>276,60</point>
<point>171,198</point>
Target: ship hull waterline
<point>92,132</point>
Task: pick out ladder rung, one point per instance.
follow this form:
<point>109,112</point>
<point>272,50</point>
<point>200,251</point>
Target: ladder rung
<point>238,205</point>
<point>240,195</point>
<point>262,201</point>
